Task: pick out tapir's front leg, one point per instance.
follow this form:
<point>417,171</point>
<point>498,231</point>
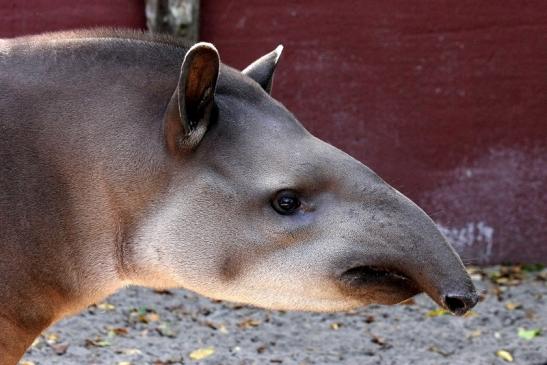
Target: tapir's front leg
<point>14,340</point>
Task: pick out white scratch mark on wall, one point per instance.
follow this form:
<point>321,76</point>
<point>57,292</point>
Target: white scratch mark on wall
<point>472,234</point>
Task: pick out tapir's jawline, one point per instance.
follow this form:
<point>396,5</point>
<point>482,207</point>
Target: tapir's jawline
<point>382,285</point>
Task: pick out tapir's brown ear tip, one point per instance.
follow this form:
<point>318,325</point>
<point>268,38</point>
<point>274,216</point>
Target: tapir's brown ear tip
<point>204,47</point>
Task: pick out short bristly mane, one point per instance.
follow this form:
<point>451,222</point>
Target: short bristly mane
<point>109,33</point>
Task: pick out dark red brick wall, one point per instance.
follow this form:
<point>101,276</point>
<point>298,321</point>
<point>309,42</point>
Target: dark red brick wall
<point>18,17</point>
<point>447,100</point>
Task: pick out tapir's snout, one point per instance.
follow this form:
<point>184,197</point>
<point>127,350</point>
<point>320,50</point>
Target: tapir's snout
<point>402,255</point>
<point>390,286</point>
<point>445,279</point>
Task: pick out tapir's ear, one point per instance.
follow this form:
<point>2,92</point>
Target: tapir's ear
<point>262,70</point>
<point>189,110</point>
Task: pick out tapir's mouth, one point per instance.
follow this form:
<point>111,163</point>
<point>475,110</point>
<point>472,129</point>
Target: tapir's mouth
<point>374,275</point>
<point>388,285</point>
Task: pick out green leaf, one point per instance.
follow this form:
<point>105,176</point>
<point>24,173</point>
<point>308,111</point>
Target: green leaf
<point>533,267</point>
<point>529,334</point>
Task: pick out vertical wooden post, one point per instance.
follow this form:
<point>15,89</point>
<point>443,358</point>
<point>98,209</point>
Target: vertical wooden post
<point>177,17</point>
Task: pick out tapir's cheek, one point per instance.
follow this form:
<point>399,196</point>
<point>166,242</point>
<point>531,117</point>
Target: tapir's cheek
<point>236,261</point>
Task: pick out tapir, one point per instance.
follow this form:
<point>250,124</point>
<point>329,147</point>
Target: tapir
<point>128,158</point>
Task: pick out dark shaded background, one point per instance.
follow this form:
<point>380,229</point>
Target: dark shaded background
<point>445,99</point>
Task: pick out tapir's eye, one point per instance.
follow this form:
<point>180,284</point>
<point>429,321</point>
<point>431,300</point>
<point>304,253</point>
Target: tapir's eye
<point>286,202</point>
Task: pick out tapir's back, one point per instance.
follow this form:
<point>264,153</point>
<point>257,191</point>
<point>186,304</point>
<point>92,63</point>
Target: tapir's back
<point>26,178</point>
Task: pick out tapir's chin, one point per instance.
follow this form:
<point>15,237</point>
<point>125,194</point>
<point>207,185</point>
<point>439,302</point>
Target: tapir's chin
<point>374,284</point>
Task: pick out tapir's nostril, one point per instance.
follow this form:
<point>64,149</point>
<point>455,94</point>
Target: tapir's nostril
<point>460,304</point>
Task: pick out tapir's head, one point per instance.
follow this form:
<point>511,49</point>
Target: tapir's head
<point>259,211</point>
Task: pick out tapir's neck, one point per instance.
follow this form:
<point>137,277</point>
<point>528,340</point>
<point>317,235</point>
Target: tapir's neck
<point>91,156</point>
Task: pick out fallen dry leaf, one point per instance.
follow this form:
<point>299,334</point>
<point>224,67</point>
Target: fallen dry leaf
<point>97,342</point>
<point>36,342</point>
<point>152,317</point>
<point>51,338</point>
<point>249,323</point>
<point>143,315</point>
<point>473,270</point>
<point>504,355</point>
<point>379,341</point>
<point>437,313</point>
<point>476,277</point>
<point>507,275</point>
<point>542,276</point>
<point>216,326</point>
<point>129,352</point>
<point>118,331</point>
<point>439,351</point>
<point>510,306</point>
<point>202,353</point>
<point>470,314</point>
<point>106,306</point>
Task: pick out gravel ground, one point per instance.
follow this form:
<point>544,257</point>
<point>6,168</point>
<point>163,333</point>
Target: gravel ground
<point>141,326</point>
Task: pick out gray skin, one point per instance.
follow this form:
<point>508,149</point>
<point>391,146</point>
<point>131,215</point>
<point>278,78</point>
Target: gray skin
<point>128,158</point>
